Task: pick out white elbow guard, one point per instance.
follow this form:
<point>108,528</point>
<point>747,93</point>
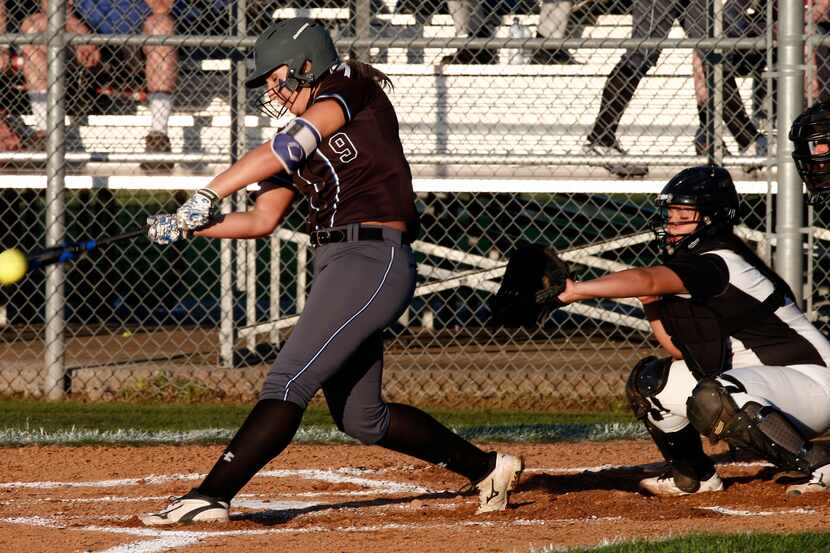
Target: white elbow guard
<point>295,143</point>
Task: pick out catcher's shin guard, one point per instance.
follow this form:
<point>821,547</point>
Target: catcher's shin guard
<point>759,428</point>
<point>683,450</point>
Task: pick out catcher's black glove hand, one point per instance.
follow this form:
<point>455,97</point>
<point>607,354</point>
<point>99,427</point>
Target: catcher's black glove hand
<point>533,280</point>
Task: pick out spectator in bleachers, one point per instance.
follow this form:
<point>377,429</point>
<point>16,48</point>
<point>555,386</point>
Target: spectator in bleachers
<point>150,17</point>
<point>260,13</point>
<point>9,140</point>
<point>553,23</point>
<point>481,18</point>
<point>651,19</point>
<point>34,66</point>
<point>476,19</point>
<point>112,17</point>
<point>735,116</point>
<point>741,18</point>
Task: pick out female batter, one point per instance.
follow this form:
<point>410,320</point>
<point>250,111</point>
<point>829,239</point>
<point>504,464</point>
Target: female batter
<point>343,152</point>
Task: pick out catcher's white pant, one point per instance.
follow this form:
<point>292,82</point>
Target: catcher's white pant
<point>801,392</point>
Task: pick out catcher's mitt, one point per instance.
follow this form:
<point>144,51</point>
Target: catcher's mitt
<point>533,280</point>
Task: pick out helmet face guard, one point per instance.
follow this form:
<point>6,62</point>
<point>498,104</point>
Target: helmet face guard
<point>291,42</point>
<point>276,101</point>
<point>810,134</point>
<point>669,242</point>
<point>709,190</point>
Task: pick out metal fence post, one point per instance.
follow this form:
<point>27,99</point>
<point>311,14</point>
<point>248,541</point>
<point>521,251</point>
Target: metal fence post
<point>237,101</point>
<point>247,257</point>
<point>789,255</point>
<point>363,19</point>
<point>55,200</point>
<point>712,61</point>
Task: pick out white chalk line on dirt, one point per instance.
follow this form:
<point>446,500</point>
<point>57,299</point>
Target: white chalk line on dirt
<point>340,475</point>
<point>107,498</point>
<point>644,467</point>
<point>336,476</point>
<point>743,513</point>
<point>161,540</point>
<point>344,475</point>
<point>383,486</point>
<point>164,540</point>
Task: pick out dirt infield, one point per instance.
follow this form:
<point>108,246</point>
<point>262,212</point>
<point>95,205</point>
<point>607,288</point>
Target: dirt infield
<point>361,499</point>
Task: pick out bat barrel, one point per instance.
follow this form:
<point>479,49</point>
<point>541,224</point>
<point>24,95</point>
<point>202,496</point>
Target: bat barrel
<point>68,252</point>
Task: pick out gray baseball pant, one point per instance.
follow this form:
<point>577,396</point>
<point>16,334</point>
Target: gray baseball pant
<point>359,288</point>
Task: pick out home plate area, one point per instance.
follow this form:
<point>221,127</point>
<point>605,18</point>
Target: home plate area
<point>369,500</point>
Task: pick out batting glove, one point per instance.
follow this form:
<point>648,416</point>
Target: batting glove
<point>164,229</point>
<point>199,210</point>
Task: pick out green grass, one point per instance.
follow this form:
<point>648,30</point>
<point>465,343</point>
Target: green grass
<point>737,543</point>
<point>29,421</point>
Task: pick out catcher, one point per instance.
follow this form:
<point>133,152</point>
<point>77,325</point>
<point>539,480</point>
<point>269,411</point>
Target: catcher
<point>746,365</point>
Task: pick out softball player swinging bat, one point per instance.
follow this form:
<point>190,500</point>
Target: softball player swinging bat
<point>344,153</point>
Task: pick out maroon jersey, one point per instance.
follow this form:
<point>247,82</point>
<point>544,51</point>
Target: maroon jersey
<point>359,173</point>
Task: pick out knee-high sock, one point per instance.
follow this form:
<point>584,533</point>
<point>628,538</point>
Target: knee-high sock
<point>415,433</point>
<point>269,428</point>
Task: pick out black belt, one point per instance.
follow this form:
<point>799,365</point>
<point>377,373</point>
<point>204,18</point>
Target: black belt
<point>331,236</point>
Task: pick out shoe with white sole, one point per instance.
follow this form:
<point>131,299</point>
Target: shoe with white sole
<point>191,507</point>
<point>620,169</point>
<point>493,491</point>
<point>816,484</point>
<point>665,485</point>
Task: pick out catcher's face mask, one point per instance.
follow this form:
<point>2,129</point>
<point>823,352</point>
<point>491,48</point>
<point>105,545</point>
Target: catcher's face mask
<point>679,222</point>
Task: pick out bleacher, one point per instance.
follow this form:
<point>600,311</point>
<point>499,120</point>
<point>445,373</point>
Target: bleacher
<point>448,113</point>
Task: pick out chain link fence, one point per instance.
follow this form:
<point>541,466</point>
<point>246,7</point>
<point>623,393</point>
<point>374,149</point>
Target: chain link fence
<point>518,117</point>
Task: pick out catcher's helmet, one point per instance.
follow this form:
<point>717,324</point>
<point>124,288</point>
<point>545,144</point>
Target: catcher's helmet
<point>707,188</point>
<point>291,42</point>
<point>810,134</point>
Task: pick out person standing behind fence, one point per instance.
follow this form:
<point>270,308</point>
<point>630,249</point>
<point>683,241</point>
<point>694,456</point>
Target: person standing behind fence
<point>651,19</point>
<point>343,151</point>
<point>741,19</point>
<point>150,17</point>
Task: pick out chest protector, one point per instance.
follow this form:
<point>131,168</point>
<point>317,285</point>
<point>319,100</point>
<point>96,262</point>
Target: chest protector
<point>701,332</point>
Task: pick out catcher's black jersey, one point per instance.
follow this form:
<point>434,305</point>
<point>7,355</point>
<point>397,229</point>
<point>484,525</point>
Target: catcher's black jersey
<point>360,172</point>
<point>733,287</point>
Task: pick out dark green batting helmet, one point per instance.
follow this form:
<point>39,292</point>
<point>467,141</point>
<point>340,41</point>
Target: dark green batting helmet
<point>291,42</point>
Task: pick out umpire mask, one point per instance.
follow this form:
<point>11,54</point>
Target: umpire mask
<point>709,190</point>
<point>810,134</point>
